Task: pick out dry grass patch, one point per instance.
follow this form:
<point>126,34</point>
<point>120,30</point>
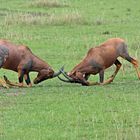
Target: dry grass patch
<point>23,18</point>
<point>67,18</point>
<point>49,3</point>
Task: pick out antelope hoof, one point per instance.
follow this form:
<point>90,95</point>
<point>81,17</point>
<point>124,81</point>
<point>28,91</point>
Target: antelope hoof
<point>20,84</point>
<point>30,85</point>
<point>111,80</point>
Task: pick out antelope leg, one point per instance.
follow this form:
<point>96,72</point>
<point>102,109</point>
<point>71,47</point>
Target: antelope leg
<point>13,84</point>
<point>3,83</point>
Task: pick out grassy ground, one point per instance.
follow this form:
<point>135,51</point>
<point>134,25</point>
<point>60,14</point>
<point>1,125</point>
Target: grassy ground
<point>61,32</point>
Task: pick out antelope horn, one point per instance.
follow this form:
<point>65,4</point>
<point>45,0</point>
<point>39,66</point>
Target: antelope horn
<point>66,76</point>
<point>59,72</point>
<point>68,81</point>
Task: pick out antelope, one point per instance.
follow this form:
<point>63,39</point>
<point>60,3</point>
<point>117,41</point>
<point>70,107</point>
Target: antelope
<point>97,60</point>
<point>19,58</point>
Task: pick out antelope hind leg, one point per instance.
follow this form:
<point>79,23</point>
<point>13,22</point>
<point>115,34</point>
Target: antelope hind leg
<point>118,66</point>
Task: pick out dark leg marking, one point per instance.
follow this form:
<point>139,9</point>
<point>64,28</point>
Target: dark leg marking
<point>21,74</point>
<point>101,75</point>
<point>118,66</point>
<point>27,79</point>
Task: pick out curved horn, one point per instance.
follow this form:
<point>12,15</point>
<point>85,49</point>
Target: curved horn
<point>59,72</point>
<point>65,75</point>
<point>68,81</point>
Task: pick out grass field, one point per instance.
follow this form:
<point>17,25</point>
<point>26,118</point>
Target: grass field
<point>61,32</point>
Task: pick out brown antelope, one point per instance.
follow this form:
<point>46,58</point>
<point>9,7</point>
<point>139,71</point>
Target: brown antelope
<point>20,59</point>
<point>97,60</point>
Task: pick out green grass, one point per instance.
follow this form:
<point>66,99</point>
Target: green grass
<point>61,32</point>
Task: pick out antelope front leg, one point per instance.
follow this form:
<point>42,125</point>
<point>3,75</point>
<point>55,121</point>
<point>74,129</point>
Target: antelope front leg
<point>27,79</point>
<point>20,77</point>
<point>22,74</point>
